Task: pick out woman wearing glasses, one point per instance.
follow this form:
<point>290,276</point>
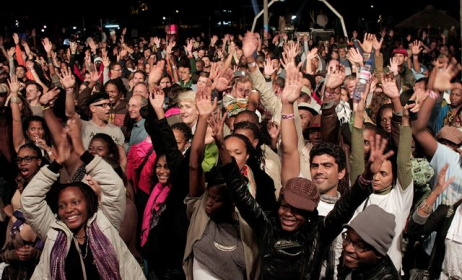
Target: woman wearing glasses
<point>22,247</point>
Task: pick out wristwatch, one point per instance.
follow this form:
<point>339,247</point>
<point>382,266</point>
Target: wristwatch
<point>252,64</point>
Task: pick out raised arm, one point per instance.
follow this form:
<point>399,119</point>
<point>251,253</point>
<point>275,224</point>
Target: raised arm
<point>68,82</point>
<point>18,135</point>
<point>113,193</point>
<point>290,154</point>
<point>404,150</point>
<point>205,108</point>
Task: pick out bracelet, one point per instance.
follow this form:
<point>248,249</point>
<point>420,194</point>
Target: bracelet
<point>50,60</point>
<point>15,99</point>
<point>50,152</point>
<point>288,116</point>
<point>45,108</point>
<point>367,55</point>
<point>69,89</point>
<point>427,209</point>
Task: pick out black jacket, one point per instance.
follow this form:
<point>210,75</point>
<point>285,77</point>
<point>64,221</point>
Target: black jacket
<point>383,270</point>
<point>166,242</point>
<point>435,222</point>
<point>292,255</point>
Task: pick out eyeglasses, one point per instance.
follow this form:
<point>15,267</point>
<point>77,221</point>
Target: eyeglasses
<point>104,105</point>
<point>26,159</point>
<point>359,246</point>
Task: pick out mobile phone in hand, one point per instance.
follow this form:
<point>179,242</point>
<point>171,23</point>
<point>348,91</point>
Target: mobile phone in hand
<point>412,115</point>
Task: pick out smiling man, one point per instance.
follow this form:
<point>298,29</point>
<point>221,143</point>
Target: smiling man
<point>328,167</point>
<point>365,244</point>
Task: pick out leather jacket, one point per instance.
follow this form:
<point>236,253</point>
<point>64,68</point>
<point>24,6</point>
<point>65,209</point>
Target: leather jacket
<point>296,255</point>
<point>383,270</point>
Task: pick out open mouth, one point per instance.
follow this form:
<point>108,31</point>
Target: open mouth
<point>24,172</point>
<point>71,219</point>
<point>288,222</point>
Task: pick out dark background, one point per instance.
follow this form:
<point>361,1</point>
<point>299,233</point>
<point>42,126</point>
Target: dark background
<point>204,16</point>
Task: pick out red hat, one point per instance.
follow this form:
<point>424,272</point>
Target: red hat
<point>400,51</point>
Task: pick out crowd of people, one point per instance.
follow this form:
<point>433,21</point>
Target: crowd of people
<point>241,157</point>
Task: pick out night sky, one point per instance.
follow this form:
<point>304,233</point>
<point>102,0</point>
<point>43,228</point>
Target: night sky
<point>76,13</point>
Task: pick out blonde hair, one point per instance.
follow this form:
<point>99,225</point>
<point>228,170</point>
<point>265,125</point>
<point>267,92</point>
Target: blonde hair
<point>189,96</point>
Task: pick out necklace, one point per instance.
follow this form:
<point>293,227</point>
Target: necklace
<point>80,237</point>
<point>86,244</point>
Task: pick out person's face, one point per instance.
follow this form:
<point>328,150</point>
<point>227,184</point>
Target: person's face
<point>162,170</point>
<point>202,83</point>
<point>325,174</point>
<point>20,72</point>
<point>305,118</point>
<point>87,77</point>
<point>367,134</point>
<point>100,109</point>
<point>315,63</point>
<point>134,106</point>
<point>314,136</point>
<point>206,60</point>
<point>334,55</point>
<point>32,93</point>
<point>199,66</point>
<point>384,178</point>
<point>138,78</point>
<point>147,54</point>
<point>165,82</point>
<point>249,134</point>
<point>28,163</point>
<point>114,94</point>
<point>185,74</point>
<point>201,53</point>
<point>181,141</point>
<point>116,72</point>
<point>400,58</point>
<point>98,147</point>
<point>290,217</point>
<point>237,149</point>
<point>307,83</point>
<point>350,86</point>
<point>351,257</point>
<point>216,204</point>
<point>342,53</point>
<point>140,90</point>
<point>129,64</point>
<point>242,89</point>
<point>73,208</point>
<point>385,119</point>
<point>275,64</point>
<point>188,112</point>
<point>35,130</point>
<point>420,85</point>
<point>455,97</point>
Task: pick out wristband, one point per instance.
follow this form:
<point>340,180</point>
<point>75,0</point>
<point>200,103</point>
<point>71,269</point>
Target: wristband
<point>251,64</point>
<point>288,116</point>
<point>427,209</point>
<point>45,108</point>
<point>69,90</point>
<point>15,99</point>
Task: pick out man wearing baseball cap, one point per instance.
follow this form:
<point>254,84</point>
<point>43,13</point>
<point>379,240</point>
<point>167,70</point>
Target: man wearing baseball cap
<point>407,80</point>
<point>450,136</point>
<point>365,244</point>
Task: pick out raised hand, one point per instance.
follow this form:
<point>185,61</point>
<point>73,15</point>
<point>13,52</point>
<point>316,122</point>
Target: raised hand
<point>204,104</point>
<point>189,46</point>
<point>416,47</point>
<point>95,75</point>
<point>377,156</point>
<point>15,38</point>
<point>106,61</point>
<point>419,96</point>
<point>66,78</point>
<point>273,129</point>
<point>366,45</point>
<point>389,86</point>
<point>354,56</point>
<point>155,75</point>
<point>441,183</point>
<point>249,44</point>
<point>213,40</point>
<point>293,85</point>
<point>47,45</point>
<point>94,185</point>
<point>336,76</point>
<point>73,47</point>
<point>14,85</point>
<point>268,69</point>
<point>444,76</point>
<point>156,98</point>
<point>221,82</point>
<point>73,130</point>
<point>217,122</point>
<point>394,65</point>
<point>49,96</point>
<point>377,45</point>
<point>312,54</point>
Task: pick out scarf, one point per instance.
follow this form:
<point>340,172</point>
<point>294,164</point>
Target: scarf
<point>251,185</point>
<point>103,252</point>
<point>154,208</point>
